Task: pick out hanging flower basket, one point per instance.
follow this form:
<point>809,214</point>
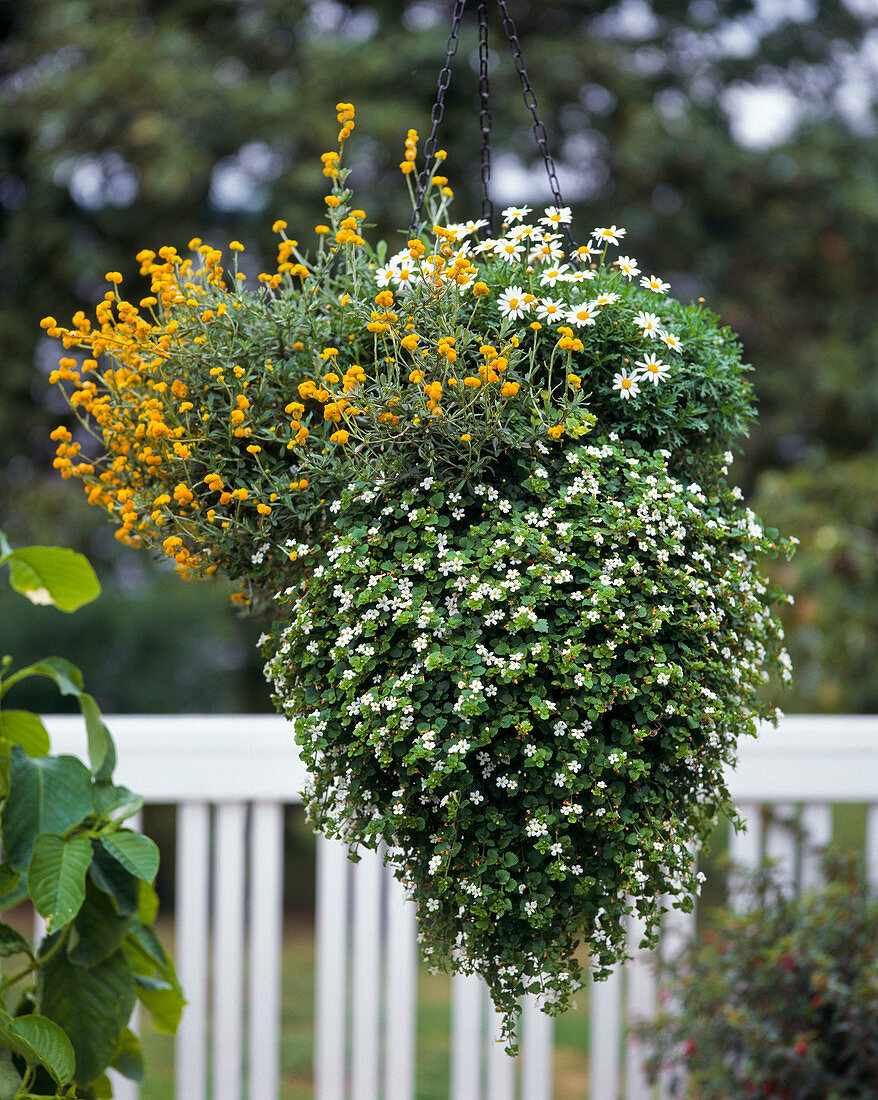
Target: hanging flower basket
<point>519,622</point>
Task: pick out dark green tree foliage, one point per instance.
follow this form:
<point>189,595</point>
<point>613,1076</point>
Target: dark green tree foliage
<point>127,124</point>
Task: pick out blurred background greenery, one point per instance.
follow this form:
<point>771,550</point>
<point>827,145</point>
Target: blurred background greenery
<point>735,139</point>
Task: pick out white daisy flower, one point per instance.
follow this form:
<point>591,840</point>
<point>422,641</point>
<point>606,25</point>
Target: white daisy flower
<point>609,234</point>
<point>583,275</point>
<point>585,252</point>
<point>583,314</point>
<point>524,232</point>
<point>556,215</point>
<point>671,340</point>
<point>511,302</point>
<point>648,323</point>
<point>554,275</point>
<point>475,226</point>
<point>626,385</point>
<point>516,213</point>
<point>386,275</point>
<point>547,251</point>
<point>651,369</point>
<point>509,251</point>
<point>628,267</point>
<point>550,310</point>
<point>488,246</point>
<point>655,284</point>
<point>606,299</point>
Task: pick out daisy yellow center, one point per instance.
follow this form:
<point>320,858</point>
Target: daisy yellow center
<point>626,383</point>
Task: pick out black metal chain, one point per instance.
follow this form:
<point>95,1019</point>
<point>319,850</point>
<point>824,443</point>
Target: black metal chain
<point>438,111</point>
<point>530,101</point>
<point>485,113</point>
<point>436,116</point>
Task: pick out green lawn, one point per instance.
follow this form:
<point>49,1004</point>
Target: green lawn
<point>433,1033</point>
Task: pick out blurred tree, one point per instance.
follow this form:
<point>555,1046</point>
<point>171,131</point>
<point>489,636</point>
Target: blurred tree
<point>735,139</point>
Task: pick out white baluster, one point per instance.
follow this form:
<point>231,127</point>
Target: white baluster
<point>536,1051</point>
<point>817,825</point>
<point>230,883</point>
<point>266,931</point>
<point>640,1005</point>
<point>331,969</point>
<point>605,1027</point>
<point>366,986</point>
<point>401,992</point>
<point>191,947</point>
<point>466,1036</point>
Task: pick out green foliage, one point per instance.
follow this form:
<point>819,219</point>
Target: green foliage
<point>529,687</point>
<point>781,999</point>
<point>65,848</point>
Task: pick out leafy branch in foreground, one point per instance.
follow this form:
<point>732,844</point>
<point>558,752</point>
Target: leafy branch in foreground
<point>66,1005</point>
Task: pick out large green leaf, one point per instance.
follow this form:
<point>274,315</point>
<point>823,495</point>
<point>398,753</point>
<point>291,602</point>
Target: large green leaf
<point>12,942</point>
<point>56,877</point>
<point>20,727</point>
<point>163,1001</point>
<point>101,750</point>
<point>111,877</point>
<point>65,674</point>
<point>49,795</point>
<point>40,1040</point>
<point>93,1006</point>
<point>98,929</point>
<point>147,955</point>
<point>137,853</point>
<point>52,575</point>
<point>128,1059</point>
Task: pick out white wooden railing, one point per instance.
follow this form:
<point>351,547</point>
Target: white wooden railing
<point>230,777</point>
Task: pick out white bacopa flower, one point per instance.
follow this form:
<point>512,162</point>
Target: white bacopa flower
<point>655,284</point>
<point>626,385</point>
<point>651,369</point>
<point>511,302</point>
<point>607,234</point>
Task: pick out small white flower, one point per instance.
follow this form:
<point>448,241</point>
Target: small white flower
<point>671,340</point>
<point>550,310</point>
<point>511,302</point>
<point>556,215</point>
<point>546,251</point>
<point>628,267</point>
<point>605,300</point>
<point>509,251</point>
<point>515,213</point>
<point>651,369</point>
<point>648,323</point>
<point>583,314</point>
<point>654,283</point>
<point>626,385</point>
<point>607,234</point>
<point>554,275</point>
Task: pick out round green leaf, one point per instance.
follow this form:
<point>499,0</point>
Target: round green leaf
<point>39,1039</point>
<point>53,575</point>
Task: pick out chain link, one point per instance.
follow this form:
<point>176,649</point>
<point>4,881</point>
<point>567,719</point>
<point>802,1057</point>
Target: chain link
<point>438,112</point>
<point>485,114</point>
<point>436,116</point>
<point>530,101</point>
